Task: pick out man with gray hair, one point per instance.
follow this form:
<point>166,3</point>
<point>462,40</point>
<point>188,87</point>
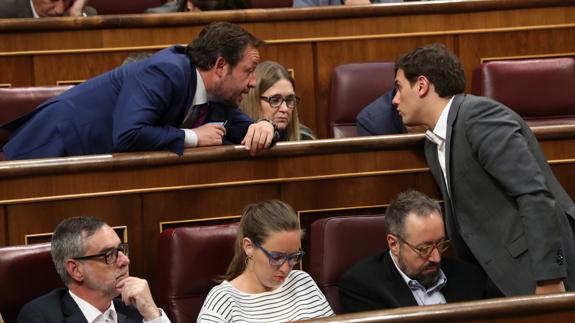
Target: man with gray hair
<point>412,272</point>
<point>93,264</point>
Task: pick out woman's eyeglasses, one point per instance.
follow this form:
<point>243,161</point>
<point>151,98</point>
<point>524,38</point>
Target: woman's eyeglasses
<point>276,100</point>
<point>277,258</point>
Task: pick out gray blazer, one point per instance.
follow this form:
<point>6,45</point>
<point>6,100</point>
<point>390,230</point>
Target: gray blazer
<point>22,9</point>
<point>316,3</point>
<point>15,9</point>
<point>505,208</point>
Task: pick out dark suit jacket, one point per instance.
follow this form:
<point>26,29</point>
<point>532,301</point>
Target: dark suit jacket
<point>58,307</point>
<point>380,117</point>
<point>375,283</point>
<point>506,210</point>
<point>135,107</point>
<point>22,9</point>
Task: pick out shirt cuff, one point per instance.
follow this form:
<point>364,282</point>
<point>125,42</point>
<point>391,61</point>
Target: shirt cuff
<point>191,138</point>
<point>163,318</point>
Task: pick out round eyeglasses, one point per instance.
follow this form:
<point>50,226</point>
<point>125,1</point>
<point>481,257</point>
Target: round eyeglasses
<point>276,100</point>
<point>109,256</point>
<point>425,250</point>
<point>277,259</point>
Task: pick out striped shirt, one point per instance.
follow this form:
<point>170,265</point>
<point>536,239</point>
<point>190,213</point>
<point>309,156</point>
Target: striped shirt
<point>298,298</point>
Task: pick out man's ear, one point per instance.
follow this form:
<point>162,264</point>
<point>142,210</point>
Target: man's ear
<point>75,270</point>
<point>393,244</point>
<point>221,66</point>
<point>423,86</point>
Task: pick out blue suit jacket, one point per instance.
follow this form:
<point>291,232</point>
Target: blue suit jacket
<point>135,107</point>
<point>380,117</point>
<point>58,307</point>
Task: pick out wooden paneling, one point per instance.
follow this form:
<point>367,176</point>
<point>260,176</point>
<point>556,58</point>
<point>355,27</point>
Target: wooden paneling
<point>153,35</point>
<point>40,39</point>
<point>566,176</point>
<point>42,217</point>
<point>3,228</point>
<point>50,69</point>
<point>17,70</point>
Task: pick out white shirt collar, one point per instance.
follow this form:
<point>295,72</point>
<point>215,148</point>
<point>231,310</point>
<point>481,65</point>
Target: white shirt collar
<point>88,310</point>
<point>201,95</point>
<point>440,131</point>
<point>414,284</point>
<point>34,13</point>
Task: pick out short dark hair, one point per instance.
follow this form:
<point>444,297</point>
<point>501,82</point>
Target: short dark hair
<point>69,240</point>
<point>441,67</point>
<point>220,39</point>
<point>406,203</point>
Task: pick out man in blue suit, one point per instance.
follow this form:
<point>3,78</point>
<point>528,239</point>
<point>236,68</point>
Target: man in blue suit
<point>155,104</point>
<point>380,117</point>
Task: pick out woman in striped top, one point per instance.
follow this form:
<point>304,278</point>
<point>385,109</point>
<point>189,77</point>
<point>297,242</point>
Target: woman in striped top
<point>260,285</point>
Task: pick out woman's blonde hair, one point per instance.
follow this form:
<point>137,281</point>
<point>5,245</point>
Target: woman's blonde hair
<point>267,74</point>
<point>259,221</point>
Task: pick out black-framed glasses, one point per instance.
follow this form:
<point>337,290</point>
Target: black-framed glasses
<point>425,250</point>
<point>276,100</point>
<point>110,256</point>
<point>277,258</point>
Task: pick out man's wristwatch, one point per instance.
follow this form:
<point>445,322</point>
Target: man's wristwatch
<point>276,137</point>
<point>275,125</point>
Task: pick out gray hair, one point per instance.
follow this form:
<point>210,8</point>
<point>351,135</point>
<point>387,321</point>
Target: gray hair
<point>406,203</point>
<point>69,240</point>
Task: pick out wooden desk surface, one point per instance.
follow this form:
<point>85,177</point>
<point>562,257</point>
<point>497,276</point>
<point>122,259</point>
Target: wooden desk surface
<point>558,308</point>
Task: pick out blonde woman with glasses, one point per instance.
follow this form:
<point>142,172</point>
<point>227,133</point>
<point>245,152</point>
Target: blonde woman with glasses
<point>274,98</point>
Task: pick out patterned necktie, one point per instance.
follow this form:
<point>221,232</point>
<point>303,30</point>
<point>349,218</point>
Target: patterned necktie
<point>195,116</point>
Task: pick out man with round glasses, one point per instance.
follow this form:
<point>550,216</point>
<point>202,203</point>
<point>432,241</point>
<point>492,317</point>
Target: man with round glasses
<point>413,271</point>
<point>93,264</point>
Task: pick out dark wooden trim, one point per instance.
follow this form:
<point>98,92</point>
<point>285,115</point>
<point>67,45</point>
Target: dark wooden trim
<point>270,15</point>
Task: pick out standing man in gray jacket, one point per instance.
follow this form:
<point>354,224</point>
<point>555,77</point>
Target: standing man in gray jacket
<point>504,208</point>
